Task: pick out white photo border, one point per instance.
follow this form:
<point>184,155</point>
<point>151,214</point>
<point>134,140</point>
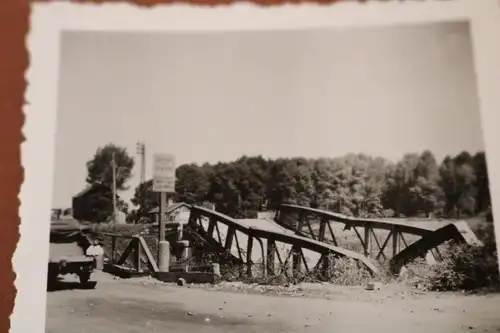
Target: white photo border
<point>49,19</point>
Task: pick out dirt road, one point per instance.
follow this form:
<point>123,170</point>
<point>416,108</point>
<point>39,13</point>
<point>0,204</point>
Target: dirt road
<point>136,306</point>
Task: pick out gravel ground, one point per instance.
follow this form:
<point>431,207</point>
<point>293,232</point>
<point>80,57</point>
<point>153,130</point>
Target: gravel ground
<point>144,305</point>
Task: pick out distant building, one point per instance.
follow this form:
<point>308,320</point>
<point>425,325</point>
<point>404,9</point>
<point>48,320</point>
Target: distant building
<point>121,217</point>
<point>175,212</point>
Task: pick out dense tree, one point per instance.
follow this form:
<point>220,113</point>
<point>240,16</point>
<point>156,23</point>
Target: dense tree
<point>145,200</point>
<point>100,172</point>
<point>101,203</point>
<point>458,181</point>
<point>192,183</point>
<point>426,194</point>
<point>355,185</point>
<point>400,180</point>
<point>483,197</point>
<point>99,168</point>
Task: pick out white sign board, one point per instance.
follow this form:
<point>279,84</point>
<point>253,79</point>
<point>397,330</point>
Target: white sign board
<point>164,173</point>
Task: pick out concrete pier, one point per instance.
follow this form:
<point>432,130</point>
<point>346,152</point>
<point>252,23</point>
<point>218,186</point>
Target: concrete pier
<point>185,252</point>
<point>164,256</point>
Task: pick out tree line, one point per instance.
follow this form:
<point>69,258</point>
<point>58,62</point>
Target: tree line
<point>355,185</point>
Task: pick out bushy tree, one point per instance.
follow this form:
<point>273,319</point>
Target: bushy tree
<point>355,185</point>
<point>99,168</point>
<point>483,196</point>
<point>458,181</point>
<point>100,175</point>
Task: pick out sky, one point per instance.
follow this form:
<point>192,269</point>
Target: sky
<point>214,96</point>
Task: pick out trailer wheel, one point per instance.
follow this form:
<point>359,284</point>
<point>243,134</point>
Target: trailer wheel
<point>52,275</point>
<point>84,277</point>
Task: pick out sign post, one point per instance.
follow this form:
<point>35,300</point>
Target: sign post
<point>163,183</point>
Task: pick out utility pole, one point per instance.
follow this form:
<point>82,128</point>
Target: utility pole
<point>141,151</point>
<point>113,165</point>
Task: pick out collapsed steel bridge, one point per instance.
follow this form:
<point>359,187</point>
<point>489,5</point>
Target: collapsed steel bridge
<point>301,240</point>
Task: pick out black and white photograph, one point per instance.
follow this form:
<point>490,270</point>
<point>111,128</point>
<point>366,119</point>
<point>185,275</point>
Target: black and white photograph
<point>300,180</point>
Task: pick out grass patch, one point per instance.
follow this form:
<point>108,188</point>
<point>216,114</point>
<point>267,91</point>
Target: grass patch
<point>341,271</point>
<point>463,267</point>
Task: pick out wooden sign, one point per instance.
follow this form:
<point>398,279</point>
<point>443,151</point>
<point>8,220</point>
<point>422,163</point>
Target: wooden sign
<point>164,173</point>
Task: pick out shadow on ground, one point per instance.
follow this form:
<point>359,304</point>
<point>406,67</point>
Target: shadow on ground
<point>60,285</point>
